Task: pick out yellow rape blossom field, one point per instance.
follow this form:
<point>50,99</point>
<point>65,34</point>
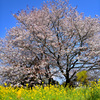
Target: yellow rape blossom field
<point>51,93</point>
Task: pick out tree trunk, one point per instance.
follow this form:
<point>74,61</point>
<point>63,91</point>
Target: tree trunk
<point>67,79</point>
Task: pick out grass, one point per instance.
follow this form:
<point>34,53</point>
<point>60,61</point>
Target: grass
<point>51,93</point>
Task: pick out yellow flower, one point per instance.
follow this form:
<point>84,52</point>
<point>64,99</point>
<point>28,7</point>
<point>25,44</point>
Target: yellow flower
<point>5,84</point>
<point>27,85</point>
<point>10,98</point>
<point>19,93</point>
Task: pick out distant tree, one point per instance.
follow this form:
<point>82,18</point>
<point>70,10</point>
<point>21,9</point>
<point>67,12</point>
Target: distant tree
<point>67,40</point>
<point>82,77</point>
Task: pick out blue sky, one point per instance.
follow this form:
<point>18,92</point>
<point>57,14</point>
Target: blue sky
<point>8,7</point>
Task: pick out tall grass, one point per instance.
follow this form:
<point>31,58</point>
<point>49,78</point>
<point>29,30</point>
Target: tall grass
<point>51,93</point>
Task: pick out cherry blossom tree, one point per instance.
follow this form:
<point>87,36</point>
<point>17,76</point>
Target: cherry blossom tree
<point>58,36</point>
